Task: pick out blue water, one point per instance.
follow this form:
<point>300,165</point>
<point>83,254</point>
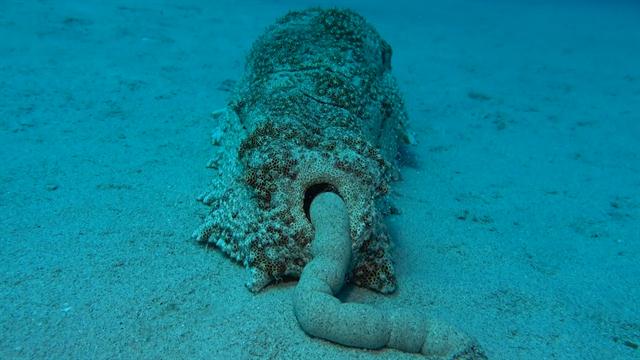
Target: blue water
<point>520,203</point>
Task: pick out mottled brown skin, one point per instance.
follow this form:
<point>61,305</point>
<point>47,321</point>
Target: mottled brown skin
<point>317,106</point>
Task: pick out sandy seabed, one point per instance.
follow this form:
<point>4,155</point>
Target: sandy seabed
<point>520,203</point>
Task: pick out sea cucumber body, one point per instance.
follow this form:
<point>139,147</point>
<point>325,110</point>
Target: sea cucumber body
<point>317,108</point>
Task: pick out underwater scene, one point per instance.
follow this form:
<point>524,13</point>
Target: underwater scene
<point>320,179</point>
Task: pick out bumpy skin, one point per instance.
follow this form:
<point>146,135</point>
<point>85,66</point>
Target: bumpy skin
<point>317,108</point>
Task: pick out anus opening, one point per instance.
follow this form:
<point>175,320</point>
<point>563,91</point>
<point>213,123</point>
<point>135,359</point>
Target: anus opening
<point>313,191</point>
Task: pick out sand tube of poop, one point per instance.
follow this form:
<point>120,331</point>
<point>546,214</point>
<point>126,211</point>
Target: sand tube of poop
<point>316,113</point>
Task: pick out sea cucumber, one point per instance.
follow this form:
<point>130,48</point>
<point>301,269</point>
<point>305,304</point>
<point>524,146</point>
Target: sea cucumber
<point>317,108</point>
